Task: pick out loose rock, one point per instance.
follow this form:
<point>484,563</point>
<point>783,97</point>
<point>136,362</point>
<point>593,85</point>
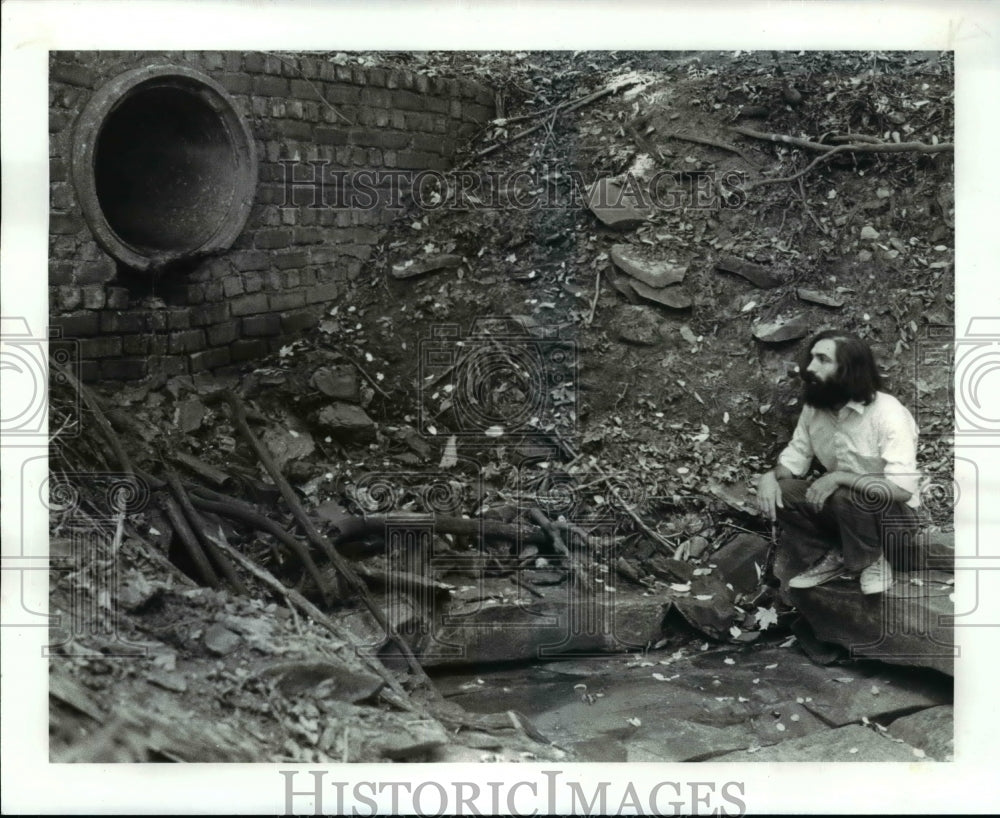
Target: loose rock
<point>777,332</point>
<point>653,272</point>
<point>638,325</point>
<point>220,640</point>
<point>347,422</point>
<point>673,297</point>
<point>427,265</point>
<point>754,273</point>
<point>615,206</point>
<point>338,382</point>
<point>819,297</point>
<point>932,730</point>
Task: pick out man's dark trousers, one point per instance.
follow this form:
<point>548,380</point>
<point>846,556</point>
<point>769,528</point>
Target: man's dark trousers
<point>862,526</point>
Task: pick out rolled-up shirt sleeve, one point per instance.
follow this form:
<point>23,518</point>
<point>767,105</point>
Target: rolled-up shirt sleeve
<point>797,456</point>
<point>898,439</point>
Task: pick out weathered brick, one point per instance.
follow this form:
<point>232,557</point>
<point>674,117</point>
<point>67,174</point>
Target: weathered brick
<point>93,297</point>
<point>421,83</point>
<point>236,83</point>
<point>261,325</point>
<point>90,371</point>
<point>223,333</point>
<point>168,365</point>
<point>285,261</point>
<point>308,235</point>
<point>407,101</point>
<point>377,76</point>
<point>66,297</point>
<point>345,74</point>
<point>94,272</point>
<point>438,105</point>
<point>186,340</point>
<point>245,260</point>
<point>331,136</point>
<point>117,298</point>
<point>247,349</point>
<point>209,359</point>
<point>287,301</point>
<point>232,286</point>
<point>209,314</point>
<point>179,319</point>
<point>269,86</point>
<point>114,322</point>
<point>295,129</point>
<point>272,239</point>
<point>72,74</point>
<point>78,325</point>
<point>321,293</point>
<point>376,97</point>
<point>213,291</point>
<point>124,369</point>
<point>253,282</point>
<point>65,223</point>
<point>302,89</point>
<point>58,171</point>
<point>298,320</point>
<point>253,62</point>
<point>249,304</point>
<point>61,196</point>
<point>194,293</point>
<point>157,320</point>
<point>106,347</point>
<point>135,344</point>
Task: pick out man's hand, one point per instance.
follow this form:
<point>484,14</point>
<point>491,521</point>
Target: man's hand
<point>769,495</point>
<point>819,492</point>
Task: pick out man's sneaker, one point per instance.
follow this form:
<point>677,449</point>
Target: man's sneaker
<point>830,567</point>
<point>877,577</point>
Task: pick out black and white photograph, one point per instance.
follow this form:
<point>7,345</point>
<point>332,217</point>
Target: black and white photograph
<point>618,418</point>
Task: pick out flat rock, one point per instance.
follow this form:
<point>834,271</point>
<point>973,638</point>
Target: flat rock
<point>932,730</point>
<point>623,285</point>
<point>347,422</point>
<point>615,206</point>
<point>736,561</point>
<point>339,382</point>
<point>174,682</point>
<point>324,679</point>
<point>189,415</point>
<point>654,272</point>
<point>824,299</point>
<point>220,640</point>
<point>423,266</point>
<point>854,743</point>
<point>674,296</point>
<point>789,329</point>
<point>869,233</point>
<point>754,273</point>
<point>902,626</point>
<point>637,325</point>
<point>287,444</point>
<point>481,630</point>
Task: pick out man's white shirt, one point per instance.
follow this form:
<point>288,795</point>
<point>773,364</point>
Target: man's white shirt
<point>879,439</point>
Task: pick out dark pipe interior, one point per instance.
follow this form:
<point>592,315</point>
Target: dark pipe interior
<point>165,170</point>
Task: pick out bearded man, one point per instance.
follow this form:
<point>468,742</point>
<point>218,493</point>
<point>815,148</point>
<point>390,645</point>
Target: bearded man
<point>841,522</point>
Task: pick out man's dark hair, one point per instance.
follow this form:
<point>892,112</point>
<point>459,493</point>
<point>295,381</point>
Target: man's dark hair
<point>856,367</point>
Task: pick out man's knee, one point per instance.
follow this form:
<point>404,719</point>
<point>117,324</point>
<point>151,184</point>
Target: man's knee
<point>793,490</point>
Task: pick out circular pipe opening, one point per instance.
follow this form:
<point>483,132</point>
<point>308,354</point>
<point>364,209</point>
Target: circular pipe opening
<point>164,166</point>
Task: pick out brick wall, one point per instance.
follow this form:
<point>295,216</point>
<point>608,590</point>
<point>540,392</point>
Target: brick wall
<point>289,262</point>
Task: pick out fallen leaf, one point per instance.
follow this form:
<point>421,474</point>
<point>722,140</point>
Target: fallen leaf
<point>634,721</point>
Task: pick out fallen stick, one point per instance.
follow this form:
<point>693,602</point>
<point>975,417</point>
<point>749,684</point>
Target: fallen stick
<point>192,546</point>
<point>649,532</point>
<point>197,525</point>
<point>559,109</point>
<point>597,294</point>
<point>90,399</point>
<point>712,143</point>
<point>343,568</point>
<point>216,477</point>
<point>856,147</point>
<point>235,510</point>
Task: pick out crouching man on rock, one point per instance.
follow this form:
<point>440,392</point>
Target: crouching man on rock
<point>843,521</point>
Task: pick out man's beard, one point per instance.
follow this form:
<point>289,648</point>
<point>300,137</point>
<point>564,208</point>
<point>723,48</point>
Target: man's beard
<point>819,394</point>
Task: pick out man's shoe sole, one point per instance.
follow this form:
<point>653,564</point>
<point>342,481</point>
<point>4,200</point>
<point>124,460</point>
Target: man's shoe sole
<point>812,582</point>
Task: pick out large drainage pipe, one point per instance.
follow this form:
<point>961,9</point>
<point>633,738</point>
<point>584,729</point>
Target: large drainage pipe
<point>164,167</point>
